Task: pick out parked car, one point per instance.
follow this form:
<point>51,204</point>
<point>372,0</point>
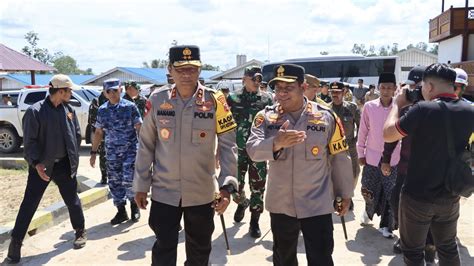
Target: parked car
<point>11,131</point>
<point>13,95</point>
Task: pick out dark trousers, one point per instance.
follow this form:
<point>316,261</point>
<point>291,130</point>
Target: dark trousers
<point>198,224</point>
<point>318,239</point>
<point>416,218</point>
<point>395,202</point>
<point>34,191</point>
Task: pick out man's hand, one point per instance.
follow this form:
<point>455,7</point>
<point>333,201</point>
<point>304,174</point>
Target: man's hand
<point>385,168</point>
<point>287,138</point>
<point>140,199</point>
<point>362,161</point>
<point>401,98</point>
<point>92,160</point>
<point>40,168</point>
<point>220,204</point>
<point>344,208</point>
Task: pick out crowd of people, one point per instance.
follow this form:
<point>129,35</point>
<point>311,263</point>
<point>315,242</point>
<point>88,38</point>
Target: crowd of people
<point>299,139</point>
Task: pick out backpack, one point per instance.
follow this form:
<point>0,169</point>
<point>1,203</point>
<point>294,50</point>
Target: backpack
<point>459,180</point>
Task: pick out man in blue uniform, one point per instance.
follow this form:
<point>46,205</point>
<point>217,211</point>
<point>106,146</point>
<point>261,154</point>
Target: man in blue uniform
<point>121,120</point>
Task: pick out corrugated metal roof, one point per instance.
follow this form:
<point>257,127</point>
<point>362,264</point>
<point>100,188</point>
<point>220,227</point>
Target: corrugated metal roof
<point>43,79</point>
<point>11,60</point>
<point>158,75</point>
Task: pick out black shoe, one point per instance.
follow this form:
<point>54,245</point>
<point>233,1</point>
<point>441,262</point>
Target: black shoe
<point>239,213</point>
<point>14,251</point>
<point>103,181</point>
<point>120,217</point>
<point>135,211</point>
<point>254,229</point>
<point>81,238</point>
<point>396,247</point>
<point>430,253</point>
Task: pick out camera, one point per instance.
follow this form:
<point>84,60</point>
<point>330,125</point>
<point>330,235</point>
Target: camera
<point>414,95</point>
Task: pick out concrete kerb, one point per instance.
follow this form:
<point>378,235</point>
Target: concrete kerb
<point>91,195</point>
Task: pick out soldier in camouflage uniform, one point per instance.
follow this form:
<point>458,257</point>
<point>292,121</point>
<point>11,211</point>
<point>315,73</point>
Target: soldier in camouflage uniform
<point>245,104</point>
<point>348,97</point>
<point>121,120</point>
<point>132,93</point>
<point>93,108</point>
<point>350,118</point>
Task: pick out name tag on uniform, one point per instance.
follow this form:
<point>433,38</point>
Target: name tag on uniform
<point>165,113</point>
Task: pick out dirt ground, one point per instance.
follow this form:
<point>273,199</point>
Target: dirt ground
<point>12,185</point>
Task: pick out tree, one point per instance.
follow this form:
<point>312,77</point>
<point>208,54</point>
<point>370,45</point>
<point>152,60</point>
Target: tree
<point>209,67</point>
<point>65,64</point>
<point>434,49</point>
<point>41,54</point>
<point>394,49</point>
<point>422,46</point>
<point>323,53</point>
<point>383,51</point>
<point>359,49</point>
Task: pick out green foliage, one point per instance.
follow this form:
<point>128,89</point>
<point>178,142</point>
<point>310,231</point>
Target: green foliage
<point>33,51</point>
<point>386,50</point>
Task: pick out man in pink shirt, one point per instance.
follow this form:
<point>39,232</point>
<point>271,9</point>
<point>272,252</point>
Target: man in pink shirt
<point>377,188</point>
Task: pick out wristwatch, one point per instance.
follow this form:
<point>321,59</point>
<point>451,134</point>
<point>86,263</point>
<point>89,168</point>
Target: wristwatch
<point>93,152</point>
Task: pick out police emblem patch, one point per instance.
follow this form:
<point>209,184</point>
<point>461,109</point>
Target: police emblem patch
<point>315,150</point>
<point>165,133</point>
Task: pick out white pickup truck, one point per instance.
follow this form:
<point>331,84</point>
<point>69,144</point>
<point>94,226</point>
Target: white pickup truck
<point>11,132</point>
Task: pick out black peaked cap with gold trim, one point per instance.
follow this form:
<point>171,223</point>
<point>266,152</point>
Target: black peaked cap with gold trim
<point>287,73</point>
<point>336,86</point>
<point>182,55</point>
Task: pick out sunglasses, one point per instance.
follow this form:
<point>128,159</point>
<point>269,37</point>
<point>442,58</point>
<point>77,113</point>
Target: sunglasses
<point>111,90</point>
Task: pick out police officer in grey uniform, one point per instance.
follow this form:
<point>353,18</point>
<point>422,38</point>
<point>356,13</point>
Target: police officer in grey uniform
<point>350,118</point>
<point>178,138</point>
<point>308,166</point>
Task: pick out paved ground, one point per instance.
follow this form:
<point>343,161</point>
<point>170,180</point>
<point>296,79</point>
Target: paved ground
<point>131,243</point>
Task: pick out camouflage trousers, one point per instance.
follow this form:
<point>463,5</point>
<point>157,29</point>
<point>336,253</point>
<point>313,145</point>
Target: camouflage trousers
<point>120,169</point>
<point>257,172</point>
<point>102,160</point>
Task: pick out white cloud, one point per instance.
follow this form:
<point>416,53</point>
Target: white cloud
<point>105,34</point>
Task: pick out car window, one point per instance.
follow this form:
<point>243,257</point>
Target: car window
<point>82,93</point>
<point>34,97</point>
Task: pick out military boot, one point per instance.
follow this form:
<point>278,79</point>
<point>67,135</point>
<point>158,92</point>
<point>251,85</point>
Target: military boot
<point>121,216</point>
<point>135,211</point>
<point>240,213</point>
<point>254,228</point>
<point>81,238</point>
<point>14,251</point>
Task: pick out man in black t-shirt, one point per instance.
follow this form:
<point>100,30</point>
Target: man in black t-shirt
<point>424,201</point>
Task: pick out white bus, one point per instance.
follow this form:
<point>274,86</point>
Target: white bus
<point>342,68</point>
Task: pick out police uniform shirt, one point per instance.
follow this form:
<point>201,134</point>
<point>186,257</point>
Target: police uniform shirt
<point>304,179</point>
<point>179,138</point>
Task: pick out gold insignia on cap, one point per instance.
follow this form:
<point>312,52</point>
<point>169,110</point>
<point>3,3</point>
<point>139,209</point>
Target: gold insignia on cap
<point>187,54</point>
<point>280,71</point>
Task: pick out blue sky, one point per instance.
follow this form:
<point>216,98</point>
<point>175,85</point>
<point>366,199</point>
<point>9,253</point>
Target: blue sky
<point>103,34</point>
